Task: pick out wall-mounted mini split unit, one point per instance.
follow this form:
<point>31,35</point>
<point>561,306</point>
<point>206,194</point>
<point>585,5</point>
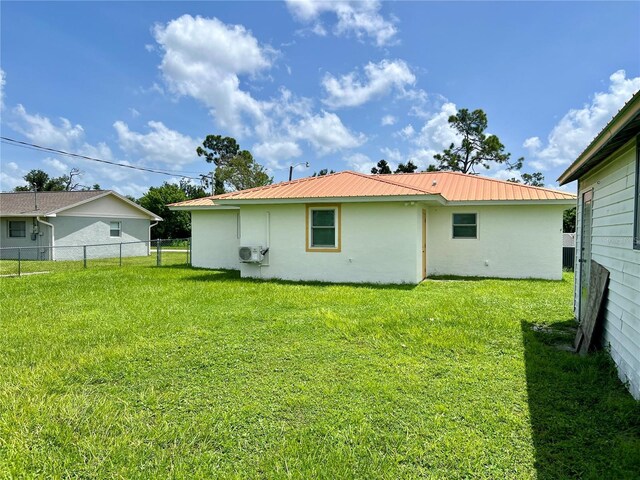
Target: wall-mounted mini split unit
<point>251,254</point>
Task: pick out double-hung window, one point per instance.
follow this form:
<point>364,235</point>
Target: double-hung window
<point>17,229</point>
<point>465,225</point>
<point>115,229</point>
<point>323,228</point>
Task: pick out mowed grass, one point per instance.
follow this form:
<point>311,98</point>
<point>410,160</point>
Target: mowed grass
<point>173,372</point>
<point>168,256</point>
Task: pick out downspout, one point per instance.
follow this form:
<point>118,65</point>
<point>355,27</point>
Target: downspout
<point>53,236</point>
<point>149,244</point>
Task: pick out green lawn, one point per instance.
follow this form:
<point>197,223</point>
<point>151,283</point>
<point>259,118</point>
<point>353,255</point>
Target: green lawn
<point>167,257</point>
<point>141,372</point>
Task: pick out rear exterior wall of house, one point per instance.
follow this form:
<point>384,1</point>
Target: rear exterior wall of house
<point>512,241</point>
<point>379,242</point>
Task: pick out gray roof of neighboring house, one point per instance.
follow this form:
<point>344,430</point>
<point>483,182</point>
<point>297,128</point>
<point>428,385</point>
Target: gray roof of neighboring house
<point>23,204</point>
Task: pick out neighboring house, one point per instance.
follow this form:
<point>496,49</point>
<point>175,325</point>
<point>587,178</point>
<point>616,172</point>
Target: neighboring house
<point>71,219</point>
<point>608,232</point>
<point>351,227</point>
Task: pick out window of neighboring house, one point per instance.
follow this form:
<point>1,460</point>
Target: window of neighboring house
<point>636,226</point>
<point>465,225</point>
<point>17,229</point>
<point>115,229</point>
<point>323,228</point>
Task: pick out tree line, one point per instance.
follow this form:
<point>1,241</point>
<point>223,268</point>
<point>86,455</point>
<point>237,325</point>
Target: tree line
<point>235,169</point>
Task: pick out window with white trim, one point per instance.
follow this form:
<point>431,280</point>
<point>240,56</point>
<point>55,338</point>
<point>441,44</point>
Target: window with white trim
<point>323,228</point>
<point>465,225</point>
<point>17,229</point>
<point>115,229</point>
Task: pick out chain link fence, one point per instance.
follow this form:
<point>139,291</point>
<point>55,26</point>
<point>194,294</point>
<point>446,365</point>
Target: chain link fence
<point>17,261</point>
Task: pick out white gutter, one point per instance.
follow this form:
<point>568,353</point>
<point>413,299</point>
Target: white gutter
<point>149,244</point>
<point>53,236</point>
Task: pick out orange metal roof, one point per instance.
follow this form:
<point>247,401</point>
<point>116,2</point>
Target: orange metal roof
<point>452,186</point>
<point>460,187</point>
<point>196,202</point>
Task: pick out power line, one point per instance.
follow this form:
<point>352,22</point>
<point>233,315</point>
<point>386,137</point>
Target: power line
<point>33,146</point>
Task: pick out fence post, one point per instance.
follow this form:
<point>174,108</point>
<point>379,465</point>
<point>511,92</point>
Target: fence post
<point>189,253</point>
<point>19,261</point>
<point>158,254</point>
<point>120,253</point>
<point>84,255</point>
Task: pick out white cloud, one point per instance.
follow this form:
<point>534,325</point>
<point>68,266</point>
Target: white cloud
<point>436,133</point>
<point>326,133</point>
<point>11,176</point>
<point>360,18</point>
<point>160,144</point>
<point>380,79</point>
<point>57,165</point>
<point>2,84</point>
<point>276,151</point>
<point>359,162</point>
<point>571,135</point>
<point>392,155</point>
<point>422,158</point>
<point>203,58</point>
<point>388,120</point>
<point>42,131</point>
<point>407,132</point>
<point>134,113</point>
<point>131,188</point>
<point>503,173</point>
<point>434,136</point>
<point>319,30</point>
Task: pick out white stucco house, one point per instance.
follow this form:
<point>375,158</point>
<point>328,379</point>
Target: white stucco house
<point>608,232</point>
<point>48,224</point>
<point>351,227</point>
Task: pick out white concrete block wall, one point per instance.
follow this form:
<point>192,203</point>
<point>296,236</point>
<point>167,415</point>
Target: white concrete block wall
<point>380,243</point>
<point>73,232</point>
<point>613,186</point>
<point>216,239</point>
<point>513,242</point>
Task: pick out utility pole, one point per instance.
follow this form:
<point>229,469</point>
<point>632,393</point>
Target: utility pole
<point>291,167</point>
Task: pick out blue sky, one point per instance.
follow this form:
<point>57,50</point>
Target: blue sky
<point>338,84</point>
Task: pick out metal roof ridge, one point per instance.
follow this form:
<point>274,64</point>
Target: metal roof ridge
<point>275,185</point>
<point>397,184</point>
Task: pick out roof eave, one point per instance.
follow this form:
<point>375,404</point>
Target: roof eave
<point>360,199</point>
<point>189,208</point>
<point>549,201</point>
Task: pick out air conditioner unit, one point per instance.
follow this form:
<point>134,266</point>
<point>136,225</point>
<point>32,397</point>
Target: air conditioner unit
<point>251,254</point>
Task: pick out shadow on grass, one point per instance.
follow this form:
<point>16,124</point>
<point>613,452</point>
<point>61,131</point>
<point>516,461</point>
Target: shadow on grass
<point>234,276</point>
<point>481,279</point>
<point>584,423</point>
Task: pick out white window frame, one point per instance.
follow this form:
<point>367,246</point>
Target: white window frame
<point>337,227</point>
<point>111,229</point>
<point>11,230</point>
<point>453,225</point>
